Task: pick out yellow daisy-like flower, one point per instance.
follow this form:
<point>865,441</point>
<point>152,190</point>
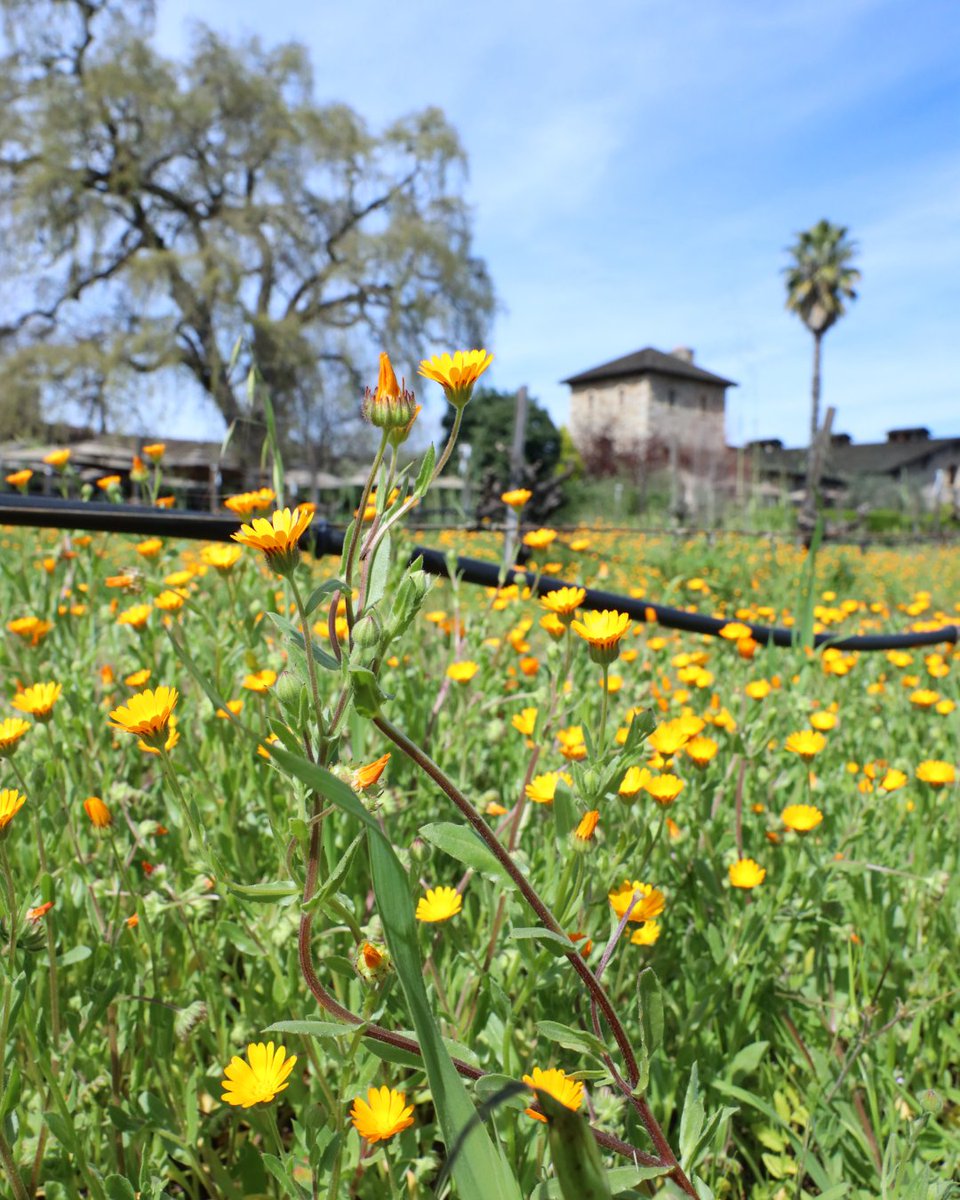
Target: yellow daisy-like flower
<point>57,459</point>
<point>807,743</point>
<point>107,483</point>
<point>801,818</point>
<point>664,788</point>
<point>38,701</point>
<point>98,812</point>
<point>672,736</point>
<point>250,502</point>
<point>259,1078</point>
<point>20,479</point>
<point>516,498</point>
<point>458,374</point>
<point>525,721</point>
<point>384,1113</point>
<point>539,539</point>
<point>936,773</point>
<point>924,698</point>
<point>559,1085</point>
<point>649,900</point>
<point>155,451</point>
<point>440,904</point>
<point>366,777</point>
<point>635,780</point>
<point>602,632</point>
<point>758,689</point>
<point>462,672</point>
<point>554,626</point>
<point>150,548</point>
<point>701,750</point>
<point>542,789</point>
<point>11,801</point>
<point>647,934</point>
<point>138,678</point>
<point>563,603</point>
<point>745,873</point>
<point>735,631</point>
<point>823,721</point>
<point>12,729</point>
<point>587,828</point>
<point>169,600</point>
<point>147,714</point>
<point>572,743</point>
<point>893,780</point>
<point>222,557</point>
<point>260,681</point>
<point>278,538</point>
<point>136,616</point>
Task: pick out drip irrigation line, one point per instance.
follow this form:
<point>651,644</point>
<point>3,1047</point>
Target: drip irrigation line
<point>51,513</point>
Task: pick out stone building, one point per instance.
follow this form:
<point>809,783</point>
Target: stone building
<point>635,405</point>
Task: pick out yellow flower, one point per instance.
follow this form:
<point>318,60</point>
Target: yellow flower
<point>646,934</point>
<point>107,483</point>
<point>155,451</point>
<point>250,502</point>
<point>539,539</point>
<point>587,828</point>
<point>946,707</point>
<point>12,729</point>
<point>525,722</point>
<point>572,744</point>
<point>222,558</point>
<point>516,498</point>
<point>260,681</point>
<point>98,812</point>
<point>559,1085</point>
<point>260,1078</point>
<point>643,900</point>
<point>807,743</point>
<point>801,818</point>
<point>634,781</point>
<point>893,780</point>
<point>383,1113</point>
<point>38,700</point>
<point>150,548</point>
<point>20,479</point>
<point>924,698</point>
<point>457,375</point>
<point>138,678</point>
<point>553,625</point>
<point>564,602</point>
<point>758,689</point>
<point>735,631</point>
<point>57,459</point>
<point>671,736</point>
<point>664,788</point>
<point>936,772</point>
<point>745,873</point>
<point>32,629</point>
<point>278,538</point>
<point>462,672</point>
<point>440,904</point>
<point>542,789</point>
<point>701,750</point>
<point>824,721</point>
<point>365,777</point>
<point>602,632</point>
<point>169,600</point>
<point>136,616</point>
<point>11,801</point>
<point>390,406</point>
<point>147,714</point>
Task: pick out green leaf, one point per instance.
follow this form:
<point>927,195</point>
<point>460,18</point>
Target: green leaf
<point>480,1170</point>
<point>425,474</point>
<point>379,571</point>
<point>461,843</point>
<point>691,1119</point>
<point>278,1171</point>
<point>264,891</point>
<point>576,1157</point>
<point>572,1039</point>
<point>61,1130</point>
<point>619,1179</point>
<point>325,660</point>
<point>76,955</point>
<point>558,944</point>
<point>332,883</point>
<point>650,998</point>
<point>310,1028</point>
<point>328,587</point>
<point>118,1188</point>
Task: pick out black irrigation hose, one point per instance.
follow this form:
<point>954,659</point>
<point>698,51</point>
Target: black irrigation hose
<point>51,513</point>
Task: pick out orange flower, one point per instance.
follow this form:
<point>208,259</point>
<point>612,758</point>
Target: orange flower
<point>278,538</point>
<point>107,483</point>
<point>801,818</point>
<point>57,459</point>
<point>517,498</point>
<point>365,777</point>
<point>147,714</point>
<point>38,700</point>
<point>155,451</point>
<point>98,812</point>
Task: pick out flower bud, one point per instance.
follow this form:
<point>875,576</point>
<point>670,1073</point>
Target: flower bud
<point>390,406</point>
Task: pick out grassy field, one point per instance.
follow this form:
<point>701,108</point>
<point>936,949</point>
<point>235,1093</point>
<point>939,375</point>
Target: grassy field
<point>793,1022</point>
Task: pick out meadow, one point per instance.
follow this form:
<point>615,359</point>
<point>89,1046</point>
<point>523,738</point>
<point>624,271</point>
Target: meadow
<point>748,858</point>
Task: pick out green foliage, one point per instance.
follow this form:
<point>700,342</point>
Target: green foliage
<point>156,211</point>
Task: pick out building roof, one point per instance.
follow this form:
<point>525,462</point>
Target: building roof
<point>845,459</point>
<point>647,362</point>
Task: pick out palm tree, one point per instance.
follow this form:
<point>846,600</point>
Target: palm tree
<point>819,279</point>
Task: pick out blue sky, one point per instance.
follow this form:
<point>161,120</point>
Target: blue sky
<point>637,168</point>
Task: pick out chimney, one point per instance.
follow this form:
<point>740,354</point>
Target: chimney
<point>840,439</point>
<point>918,433</point>
<point>684,353</point>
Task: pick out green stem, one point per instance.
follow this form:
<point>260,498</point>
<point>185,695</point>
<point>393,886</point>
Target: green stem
<point>308,648</point>
<point>10,1169</point>
<point>358,520</point>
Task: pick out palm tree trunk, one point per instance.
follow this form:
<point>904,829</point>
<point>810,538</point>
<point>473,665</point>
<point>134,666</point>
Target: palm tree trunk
<point>813,481</point>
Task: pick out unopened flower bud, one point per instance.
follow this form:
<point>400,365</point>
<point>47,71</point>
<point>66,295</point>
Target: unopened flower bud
<point>390,406</point>
<point>373,962</point>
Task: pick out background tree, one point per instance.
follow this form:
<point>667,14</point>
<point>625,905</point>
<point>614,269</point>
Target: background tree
<point>819,279</point>
<point>488,429</point>
<point>154,212</point>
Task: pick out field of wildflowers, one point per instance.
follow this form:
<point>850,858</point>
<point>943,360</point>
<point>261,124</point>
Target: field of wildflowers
<point>322,880</point>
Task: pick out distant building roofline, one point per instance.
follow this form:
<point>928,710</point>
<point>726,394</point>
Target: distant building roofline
<point>649,362</point>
